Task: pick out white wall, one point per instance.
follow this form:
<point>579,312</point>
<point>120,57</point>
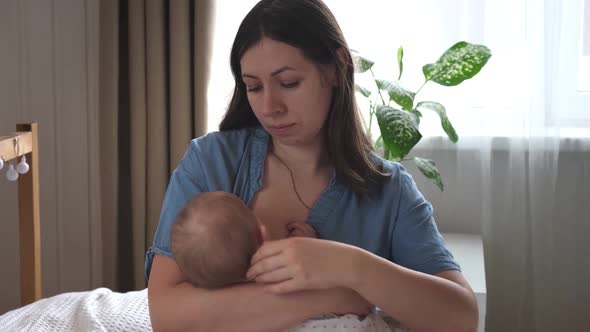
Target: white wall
<point>49,74</point>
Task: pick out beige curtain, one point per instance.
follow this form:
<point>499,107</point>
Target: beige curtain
<point>154,60</point>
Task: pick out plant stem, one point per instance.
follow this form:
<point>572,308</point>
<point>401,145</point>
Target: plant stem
<point>420,88</point>
<point>370,116</point>
<point>406,159</point>
<point>378,90</point>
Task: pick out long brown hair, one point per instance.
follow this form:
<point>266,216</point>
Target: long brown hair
<point>311,27</point>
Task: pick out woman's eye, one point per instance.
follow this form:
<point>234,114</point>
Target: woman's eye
<point>253,89</point>
<point>290,84</point>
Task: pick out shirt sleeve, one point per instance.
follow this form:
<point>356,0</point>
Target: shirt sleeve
<point>417,243</point>
<point>187,180</point>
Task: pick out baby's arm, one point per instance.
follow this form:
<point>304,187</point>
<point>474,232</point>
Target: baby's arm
<point>300,229</point>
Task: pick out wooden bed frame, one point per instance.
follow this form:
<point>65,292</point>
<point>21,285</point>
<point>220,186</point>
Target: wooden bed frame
<point>28,208</point>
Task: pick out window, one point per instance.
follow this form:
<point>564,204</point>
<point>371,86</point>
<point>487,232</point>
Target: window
<point>572,71</point>
<point>540,65</point>
<point>584,62</point>
<point>228,16</point>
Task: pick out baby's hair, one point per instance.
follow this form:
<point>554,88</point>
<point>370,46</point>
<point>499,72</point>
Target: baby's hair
<point>213,239</point>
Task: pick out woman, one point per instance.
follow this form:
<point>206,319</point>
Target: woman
<point>291,145</point>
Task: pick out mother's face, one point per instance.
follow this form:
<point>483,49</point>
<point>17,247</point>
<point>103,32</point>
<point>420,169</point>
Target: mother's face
<point>289,94</point>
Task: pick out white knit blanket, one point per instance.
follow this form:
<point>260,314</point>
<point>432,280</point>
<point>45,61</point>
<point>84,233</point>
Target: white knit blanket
<point>101,310</point>
<point>97,310</point>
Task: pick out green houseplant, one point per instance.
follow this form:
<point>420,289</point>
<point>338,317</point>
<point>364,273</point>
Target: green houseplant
<point>399,123</point>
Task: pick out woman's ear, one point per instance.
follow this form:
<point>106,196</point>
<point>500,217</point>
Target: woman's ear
<point>342,56</point>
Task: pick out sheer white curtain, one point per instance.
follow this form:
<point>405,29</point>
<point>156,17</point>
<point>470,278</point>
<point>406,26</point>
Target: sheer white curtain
<point>520,174</point>
<point>537,187</point>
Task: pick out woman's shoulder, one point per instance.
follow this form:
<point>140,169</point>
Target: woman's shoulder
<point>392,169</point>
<point>228,138</point>
<point>397,176</point>
<point>228,143</point>
<point>217,157</point>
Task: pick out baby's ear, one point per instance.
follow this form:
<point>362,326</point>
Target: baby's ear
<point>263,233</point>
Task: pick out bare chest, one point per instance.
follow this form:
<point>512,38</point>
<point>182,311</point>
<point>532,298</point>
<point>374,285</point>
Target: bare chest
<point>276,204</point>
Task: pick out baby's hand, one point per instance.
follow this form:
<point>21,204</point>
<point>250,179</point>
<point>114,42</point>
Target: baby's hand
<point>300,229</point>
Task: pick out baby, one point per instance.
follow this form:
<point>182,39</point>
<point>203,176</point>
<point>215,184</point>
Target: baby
<point>213,239</point>
<point>215,235</point>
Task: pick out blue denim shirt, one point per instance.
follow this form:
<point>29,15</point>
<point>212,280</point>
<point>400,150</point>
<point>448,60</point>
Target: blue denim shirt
<point>396,223</point>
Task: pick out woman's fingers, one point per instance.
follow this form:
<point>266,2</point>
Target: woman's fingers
<point>267,249</point>
<point>277,275</point>
<point>306,263</point>
<point>262,266</point>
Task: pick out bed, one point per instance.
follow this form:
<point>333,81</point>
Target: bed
<point>97,310</point>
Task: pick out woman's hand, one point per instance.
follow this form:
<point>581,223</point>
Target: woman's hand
<point>304,263</point>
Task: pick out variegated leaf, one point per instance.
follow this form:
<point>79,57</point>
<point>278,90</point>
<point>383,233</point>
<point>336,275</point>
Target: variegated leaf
<point>365,92</point>
<point>460,62</point>
<point>400,61</point>
<point>400,95</point>
<point>444,120</point>
<point>361,64</point>
<point>399,130</point>
<point>428,168</point>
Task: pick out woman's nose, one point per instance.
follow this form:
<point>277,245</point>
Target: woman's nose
<point>271,104</point>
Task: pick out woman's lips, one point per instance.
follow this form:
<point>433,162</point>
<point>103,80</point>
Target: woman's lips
<point>280,129</point>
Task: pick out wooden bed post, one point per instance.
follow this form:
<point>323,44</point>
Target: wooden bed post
<point>29,221</point>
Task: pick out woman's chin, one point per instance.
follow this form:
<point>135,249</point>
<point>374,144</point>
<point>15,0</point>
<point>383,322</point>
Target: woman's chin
<point>296,140</point>
<point>288,140</point>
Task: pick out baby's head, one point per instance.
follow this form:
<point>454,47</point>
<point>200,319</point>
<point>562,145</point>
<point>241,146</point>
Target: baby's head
<point>213,239</point>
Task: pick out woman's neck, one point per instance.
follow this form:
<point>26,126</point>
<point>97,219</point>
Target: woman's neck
<point>310,159</point>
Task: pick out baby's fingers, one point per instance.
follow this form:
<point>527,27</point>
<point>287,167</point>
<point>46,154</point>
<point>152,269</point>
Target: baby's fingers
<point>296,232</point>
<point>310,231</point>
<point>301,229</point>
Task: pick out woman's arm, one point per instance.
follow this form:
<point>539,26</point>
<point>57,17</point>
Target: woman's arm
<point>424,302</point>
<point>175,305</point>
<point>420,301</point>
